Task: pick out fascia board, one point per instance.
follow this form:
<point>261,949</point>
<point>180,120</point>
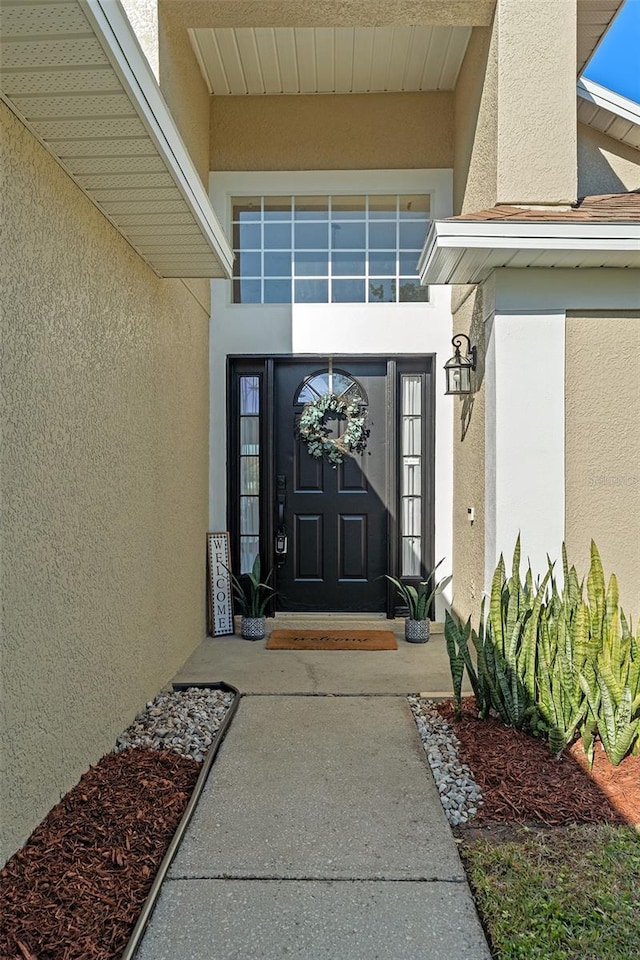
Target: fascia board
<point>482,238</point>
<point>121,46</point>
<point>429,248</point>
<point>593,234</point>
<point>612,102</point>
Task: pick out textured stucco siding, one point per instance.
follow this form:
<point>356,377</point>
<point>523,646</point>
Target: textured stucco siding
<point>469,309</point>
<point>104,481</point>
<point>476,128</point>
<point>333,132</point>
<point>603,445</point>
<point>536,101</point>
<point>515,108</point>
<point>310,13</point>
<point>183,87</point>
<point>605,165</point>
<point>143,17</point>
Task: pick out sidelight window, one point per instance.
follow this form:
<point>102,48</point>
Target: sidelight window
<point>249,472</point>
<point>336,249</point>
<point>412,465</point>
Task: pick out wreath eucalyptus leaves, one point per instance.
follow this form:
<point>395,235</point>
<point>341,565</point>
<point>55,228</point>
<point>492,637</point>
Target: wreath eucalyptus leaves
<point>313,431</point>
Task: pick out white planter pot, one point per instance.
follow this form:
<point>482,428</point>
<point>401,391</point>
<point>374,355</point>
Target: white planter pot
<point>252,628</point>
<point>416,631</point>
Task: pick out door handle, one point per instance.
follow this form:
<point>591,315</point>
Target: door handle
<point>281,542</point>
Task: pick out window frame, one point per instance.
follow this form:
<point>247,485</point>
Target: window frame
<point>330,252</point>
<point>223,185</point>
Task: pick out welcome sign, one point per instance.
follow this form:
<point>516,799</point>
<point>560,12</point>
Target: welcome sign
<point>219,585</point>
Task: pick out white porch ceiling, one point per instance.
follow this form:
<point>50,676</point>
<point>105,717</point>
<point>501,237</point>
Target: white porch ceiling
<point>303,60</point>
<point>74,73</point>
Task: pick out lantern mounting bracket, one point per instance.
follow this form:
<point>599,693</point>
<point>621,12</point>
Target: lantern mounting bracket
<point>472,352</point>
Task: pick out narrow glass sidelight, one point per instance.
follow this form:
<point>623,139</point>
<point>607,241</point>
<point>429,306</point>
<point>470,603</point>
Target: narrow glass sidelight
<point>249,470</point>
<point>411,473</point>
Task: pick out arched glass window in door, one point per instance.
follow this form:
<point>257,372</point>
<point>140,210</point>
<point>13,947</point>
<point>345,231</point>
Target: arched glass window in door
<point>326,382</point>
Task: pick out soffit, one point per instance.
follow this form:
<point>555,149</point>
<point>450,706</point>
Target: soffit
<point>594,17</point>
<point>305,60</point>
<point>609,112</point>
<point>74,73</point>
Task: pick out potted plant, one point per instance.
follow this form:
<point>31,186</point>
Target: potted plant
<point>419,600</point>
<point>252,597</point>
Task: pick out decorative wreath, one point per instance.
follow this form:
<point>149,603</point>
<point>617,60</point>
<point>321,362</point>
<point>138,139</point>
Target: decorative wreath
<point>313,430</point>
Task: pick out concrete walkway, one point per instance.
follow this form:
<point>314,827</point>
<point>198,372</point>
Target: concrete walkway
<point>320,834</point>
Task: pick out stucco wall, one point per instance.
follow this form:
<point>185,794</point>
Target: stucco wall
<point>536,101</point>
<point>515,112</point>
<point>329,132</point>
<point>605,165</point>
<point>183,87</point>
<point>476,115</point>
<point>104,482</point>
<point>143,17</point>
<point>339,13</point>
<point>603,445</point>
<point>470,305</point>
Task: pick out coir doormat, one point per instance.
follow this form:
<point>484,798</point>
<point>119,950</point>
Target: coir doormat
<point>332,640</point>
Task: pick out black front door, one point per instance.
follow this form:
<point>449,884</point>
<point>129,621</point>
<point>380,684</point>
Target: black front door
<point>335,517</point>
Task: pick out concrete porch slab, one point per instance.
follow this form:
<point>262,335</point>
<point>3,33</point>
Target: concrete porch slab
<point>333,920</point>
<point>412,668</point>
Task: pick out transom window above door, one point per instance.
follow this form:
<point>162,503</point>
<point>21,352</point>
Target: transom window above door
<point>329,249</point>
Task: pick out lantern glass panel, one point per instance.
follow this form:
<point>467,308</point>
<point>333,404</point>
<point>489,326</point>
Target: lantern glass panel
<point>453,379</point>
<point>458,378</point>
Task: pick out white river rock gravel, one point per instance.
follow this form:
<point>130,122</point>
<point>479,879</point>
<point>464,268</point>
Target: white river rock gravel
<point>460,795</point>
<point>185,721</point>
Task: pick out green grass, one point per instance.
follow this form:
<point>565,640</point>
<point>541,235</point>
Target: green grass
<point>571,894</point>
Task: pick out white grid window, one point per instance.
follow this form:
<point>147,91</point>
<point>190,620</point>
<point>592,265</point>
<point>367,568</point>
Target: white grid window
<point>337,249</point>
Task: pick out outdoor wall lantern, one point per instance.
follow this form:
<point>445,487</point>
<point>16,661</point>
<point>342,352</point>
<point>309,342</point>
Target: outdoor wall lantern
<point>458,369</point>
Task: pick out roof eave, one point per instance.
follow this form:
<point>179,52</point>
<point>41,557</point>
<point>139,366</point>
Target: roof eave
<point>121,46</point>
<point>467,252</point>
<point>608,100</point>
<point>116,137</point>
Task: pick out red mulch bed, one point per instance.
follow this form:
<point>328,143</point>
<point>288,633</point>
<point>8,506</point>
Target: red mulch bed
<point>75,890</point>
<point>522,783</point>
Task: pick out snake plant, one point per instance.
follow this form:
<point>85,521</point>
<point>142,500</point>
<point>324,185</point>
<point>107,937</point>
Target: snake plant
<point>252,596</point>
<point>419,599</point>
<point>610,673</point>
<point>551,661</point>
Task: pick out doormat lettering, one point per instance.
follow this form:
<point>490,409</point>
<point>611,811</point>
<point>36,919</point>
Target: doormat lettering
<point>332,640</point>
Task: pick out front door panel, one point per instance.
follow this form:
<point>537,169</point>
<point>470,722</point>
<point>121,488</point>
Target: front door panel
<point>336,517</point>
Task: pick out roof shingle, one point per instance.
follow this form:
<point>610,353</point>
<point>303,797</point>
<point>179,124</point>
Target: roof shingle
<point>606,208</point>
